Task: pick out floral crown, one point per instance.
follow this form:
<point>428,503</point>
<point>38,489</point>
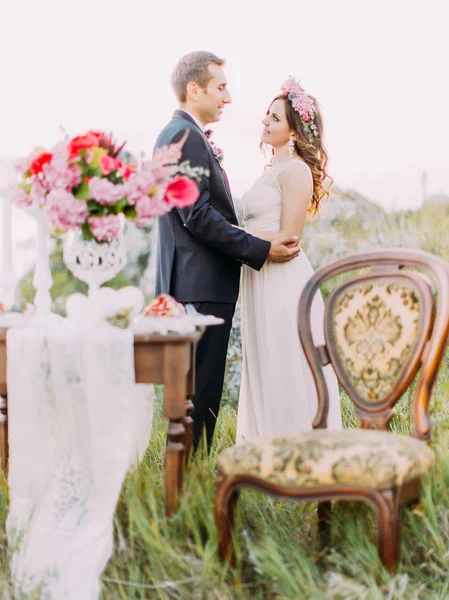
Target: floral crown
<point>303,104</point>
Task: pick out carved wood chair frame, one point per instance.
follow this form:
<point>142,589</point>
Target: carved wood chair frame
<point>430,278</point>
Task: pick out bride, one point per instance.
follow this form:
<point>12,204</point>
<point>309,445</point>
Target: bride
<point>277,394</point>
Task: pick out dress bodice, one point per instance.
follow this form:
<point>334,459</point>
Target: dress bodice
<point>260,207</point>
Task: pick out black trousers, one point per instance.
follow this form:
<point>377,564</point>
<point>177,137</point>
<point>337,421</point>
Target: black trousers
<point>210,363</point>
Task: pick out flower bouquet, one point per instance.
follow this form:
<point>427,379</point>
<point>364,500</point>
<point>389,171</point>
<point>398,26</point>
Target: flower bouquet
<point>87,183</point>
<point>88,186</point>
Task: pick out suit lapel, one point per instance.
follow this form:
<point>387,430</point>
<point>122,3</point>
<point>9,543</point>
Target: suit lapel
<point>226,185</point>
<point>226,181</point>
<point>181,114</point>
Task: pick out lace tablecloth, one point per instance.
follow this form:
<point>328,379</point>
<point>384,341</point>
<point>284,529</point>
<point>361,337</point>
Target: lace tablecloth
<point>77,421</point>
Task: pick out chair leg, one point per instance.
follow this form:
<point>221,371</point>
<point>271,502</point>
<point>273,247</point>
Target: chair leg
<point>324,523</point>
<point>388,530</point>
<point>224,517</point>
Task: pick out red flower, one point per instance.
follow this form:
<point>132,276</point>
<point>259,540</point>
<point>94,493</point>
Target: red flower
<point>181,192</point>
<point>91,139</point>
<point>39,162</point>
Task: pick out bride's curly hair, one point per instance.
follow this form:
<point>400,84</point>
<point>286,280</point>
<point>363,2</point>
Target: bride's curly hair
<point>313,153</point>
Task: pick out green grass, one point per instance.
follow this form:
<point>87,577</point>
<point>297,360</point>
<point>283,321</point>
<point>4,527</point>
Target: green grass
<point>278,554</point>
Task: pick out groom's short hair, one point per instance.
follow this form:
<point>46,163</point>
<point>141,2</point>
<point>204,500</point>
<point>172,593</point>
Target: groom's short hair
<point>193,67</point>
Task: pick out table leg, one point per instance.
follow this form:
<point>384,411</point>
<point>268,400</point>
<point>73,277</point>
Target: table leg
<point>188,425</point>
<point>188,421</point>
<point>175,394</point>
<point>174,465</point>
<point>4,447</point>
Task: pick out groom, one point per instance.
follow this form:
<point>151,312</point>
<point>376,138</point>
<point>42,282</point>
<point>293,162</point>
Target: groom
<point>200,253</point>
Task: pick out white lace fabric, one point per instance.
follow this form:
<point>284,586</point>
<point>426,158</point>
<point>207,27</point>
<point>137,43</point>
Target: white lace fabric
<point>77,422</point>
<point>270,176</point>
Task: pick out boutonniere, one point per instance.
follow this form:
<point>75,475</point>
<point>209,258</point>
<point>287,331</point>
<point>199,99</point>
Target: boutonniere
<point>218,152</point>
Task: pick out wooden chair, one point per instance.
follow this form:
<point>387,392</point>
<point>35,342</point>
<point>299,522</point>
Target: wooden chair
<point>380,327</point>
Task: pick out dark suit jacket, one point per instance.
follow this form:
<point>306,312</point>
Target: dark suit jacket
<point>199,252</point>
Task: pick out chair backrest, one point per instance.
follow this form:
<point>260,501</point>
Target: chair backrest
<point>380,327</point>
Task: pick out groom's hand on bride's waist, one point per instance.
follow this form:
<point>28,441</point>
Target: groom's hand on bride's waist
<point>284,249</point>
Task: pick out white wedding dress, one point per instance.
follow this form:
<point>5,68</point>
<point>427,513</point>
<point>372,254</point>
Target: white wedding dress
<point>277,394</point>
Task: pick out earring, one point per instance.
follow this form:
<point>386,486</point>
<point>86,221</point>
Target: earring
<point>291,147</point>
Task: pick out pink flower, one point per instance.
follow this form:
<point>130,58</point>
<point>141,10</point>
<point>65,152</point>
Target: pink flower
<point>144,179</point>
<point>108,164</point>
<point>105,228</point>
<point>38,193</point>
<point>127,172</point>
<point>74,176</point>
<point>133,195</point>
<point>218,152</point>
<point>61,177</point>
<point>163,173</point>
<point>57,173</point>
<point>181,192</point>
<point>165,157</point>
<point>147,208</point>
<point>60,158</point>
<point>51,177</point>
<point>140,184</point>
<point>105,192</point>
<point>64,211</point>
<point>20,198</point>
<point>301,102</point>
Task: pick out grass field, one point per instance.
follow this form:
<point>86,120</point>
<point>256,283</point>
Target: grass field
<point>278,554</point>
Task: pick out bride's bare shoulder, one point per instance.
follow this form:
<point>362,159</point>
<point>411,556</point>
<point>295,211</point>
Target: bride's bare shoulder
<point>296,174</point>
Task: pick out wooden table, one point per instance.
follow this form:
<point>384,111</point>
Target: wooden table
<point>164,359</point>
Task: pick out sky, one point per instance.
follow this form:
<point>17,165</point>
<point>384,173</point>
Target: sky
<point>377,67</point>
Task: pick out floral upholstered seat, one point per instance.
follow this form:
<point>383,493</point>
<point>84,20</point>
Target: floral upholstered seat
<point>326,458</point>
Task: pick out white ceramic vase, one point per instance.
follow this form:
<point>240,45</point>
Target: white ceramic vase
<point>94,262</point>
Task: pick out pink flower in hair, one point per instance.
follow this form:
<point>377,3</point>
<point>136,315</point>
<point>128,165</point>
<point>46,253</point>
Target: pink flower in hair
<point>303,104</point>
<point>298,97</point>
